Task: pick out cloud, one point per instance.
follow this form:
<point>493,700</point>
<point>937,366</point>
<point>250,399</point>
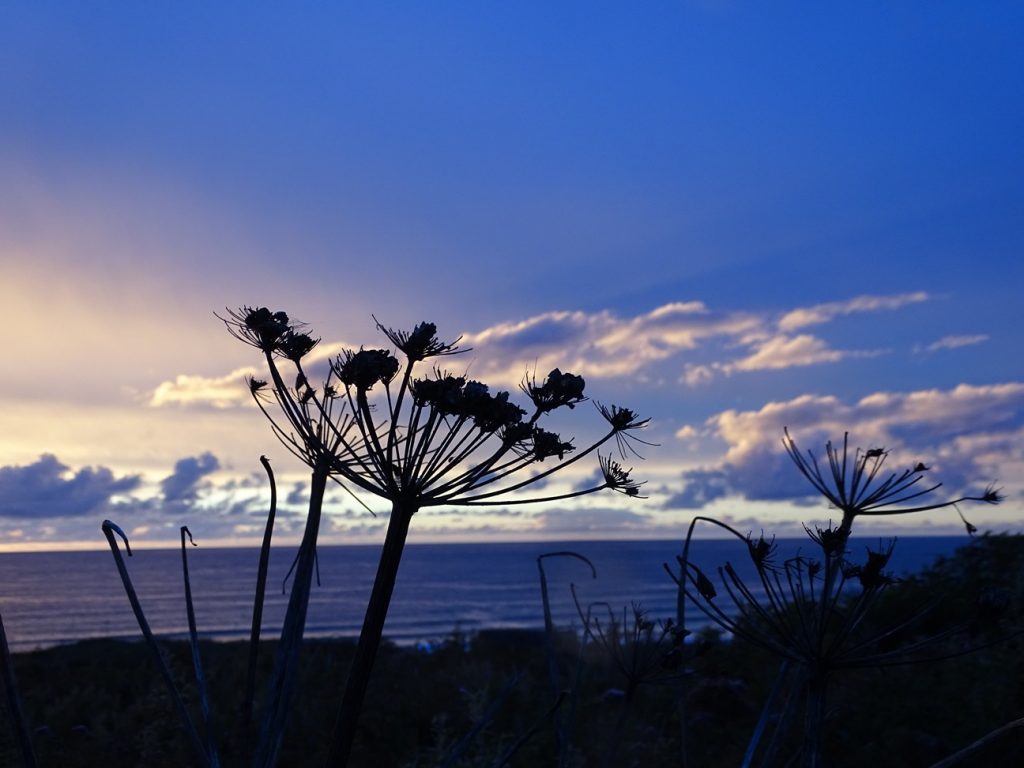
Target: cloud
<point>823,313</point>
<point>219,392</point>
<point>968,435</point>
<point>298,495</point>
<point>182,486</point>
<point>702,487</point>
<point>953,342</point>
<point>774,353</point>
<point>601,344</point>
<point>49,488</point>
<point>605,345</point>
<point>786,352</point>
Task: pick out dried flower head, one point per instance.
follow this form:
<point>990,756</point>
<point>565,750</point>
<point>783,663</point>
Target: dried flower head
<point>871,574</point>
<point>295,345</point>
<point>421,342</point>
<point>559,389</point>
<point>762,550</point>
<point>857,485</point>
<point>624,421</point>
<point>831,540</point>
<point>617,478</point>
<point>258,327</point>
<point>365,368</point>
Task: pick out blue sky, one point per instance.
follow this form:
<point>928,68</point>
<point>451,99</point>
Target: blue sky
<point>728,217</point>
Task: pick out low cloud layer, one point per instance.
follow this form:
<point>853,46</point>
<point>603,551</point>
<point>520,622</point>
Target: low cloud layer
<point>50,489</point>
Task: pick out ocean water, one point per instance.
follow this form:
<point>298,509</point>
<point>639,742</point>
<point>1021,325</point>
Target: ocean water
<point>60,597</point>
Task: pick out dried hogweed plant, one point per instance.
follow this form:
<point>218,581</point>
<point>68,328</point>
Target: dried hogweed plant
<point>811,610</point>
<point>639,650</point>
<point>379,426</point>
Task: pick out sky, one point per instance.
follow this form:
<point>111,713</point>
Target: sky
<point>729,217</point>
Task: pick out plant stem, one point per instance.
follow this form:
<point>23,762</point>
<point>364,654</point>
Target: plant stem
<point>109,530</point>
<point>618,732</point>
<point>814,720</point>
<point>286,662</point>
<point>257,608</point>
<point>370,636</point>
<point>28,757</point>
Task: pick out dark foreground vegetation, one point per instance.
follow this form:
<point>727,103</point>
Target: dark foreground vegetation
<point>102,703</point>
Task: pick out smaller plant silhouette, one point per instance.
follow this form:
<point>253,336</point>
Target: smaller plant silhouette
<point>811,611</point>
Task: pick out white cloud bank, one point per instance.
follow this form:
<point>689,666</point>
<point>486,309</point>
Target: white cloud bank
<point>968,435</point>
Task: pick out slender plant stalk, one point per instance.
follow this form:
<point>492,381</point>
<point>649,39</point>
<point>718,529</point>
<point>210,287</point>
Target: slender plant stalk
<point>781,725</point>
<point>814,720</point>
<point>502,761</point>
<point>459,750</point>
<point>109,530</point>
<point>565,756</point>
<point>766,711</point>
<point>562,723</point>
<point>197,660</point>
<point>621,723</point>
<point>28,756</point>
<point>257,608</point>
<point>286,661</point>
<point>370,636</point>
<point>981,743</point>
<point>682,686</point>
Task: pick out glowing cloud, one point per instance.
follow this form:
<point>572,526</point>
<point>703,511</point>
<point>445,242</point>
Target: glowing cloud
<point>221,392</point>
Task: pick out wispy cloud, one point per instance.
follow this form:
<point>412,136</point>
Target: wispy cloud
<point>953,342</point>
<point>968,435</point>
<point>648,348</point>
<point>602,344</point>
<point>822,313</point>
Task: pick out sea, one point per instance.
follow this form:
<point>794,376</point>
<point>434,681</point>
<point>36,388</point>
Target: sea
<point>443,590</point>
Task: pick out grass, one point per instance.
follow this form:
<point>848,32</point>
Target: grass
<point>102,702</point>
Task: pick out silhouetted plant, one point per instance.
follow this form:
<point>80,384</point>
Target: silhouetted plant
<point>261,590</point>
<point>639,650</point>
<point>10,683</point>
<point>436,440</point>
<point>563,724</point>
<point>811,611</point>
<point>206,755</point>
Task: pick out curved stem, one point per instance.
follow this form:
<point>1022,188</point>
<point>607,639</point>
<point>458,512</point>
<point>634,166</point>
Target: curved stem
<point>109,530</point>
<point>286,662</point>
<point>261,590</point>
<point>197,660</point>
<point>984,741</point>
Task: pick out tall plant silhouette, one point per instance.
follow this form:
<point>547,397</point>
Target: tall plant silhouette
<point>439,439</point>
<point>811,611</point>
